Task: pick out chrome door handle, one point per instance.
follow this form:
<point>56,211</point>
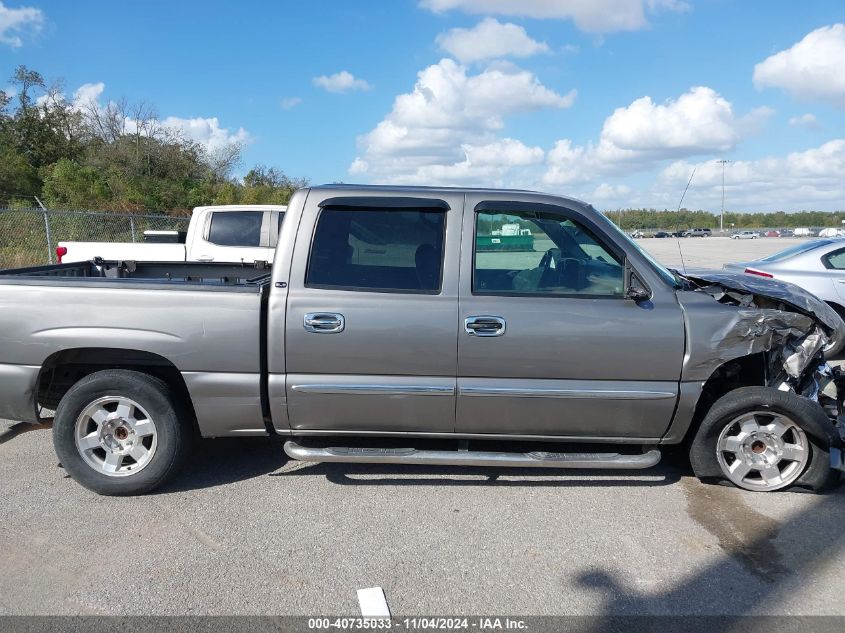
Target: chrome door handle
<point>324,322</point>
<point>484,326</point>
<point>205,258</point>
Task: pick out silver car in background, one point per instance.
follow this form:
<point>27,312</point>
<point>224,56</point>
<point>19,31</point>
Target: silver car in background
<point>817,266</point>
<point>745,235</point>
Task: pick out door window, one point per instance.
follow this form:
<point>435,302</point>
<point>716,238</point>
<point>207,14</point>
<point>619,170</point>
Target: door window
<point>378,250</point>
<point>236,228</point>
<point>835,260</point>
<point>541,253</point>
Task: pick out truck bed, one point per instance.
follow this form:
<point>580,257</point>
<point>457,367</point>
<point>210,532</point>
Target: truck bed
<point>202,320</point>
<point>179,274</point>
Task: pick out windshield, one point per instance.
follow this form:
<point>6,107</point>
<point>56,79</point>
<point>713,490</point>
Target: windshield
<point>667,276</point>
<point>795,250</point>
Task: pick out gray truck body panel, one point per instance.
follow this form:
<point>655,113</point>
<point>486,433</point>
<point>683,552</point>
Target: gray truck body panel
<point>567,368</point>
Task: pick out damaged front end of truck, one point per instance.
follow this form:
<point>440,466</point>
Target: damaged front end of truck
<point>785,327</point>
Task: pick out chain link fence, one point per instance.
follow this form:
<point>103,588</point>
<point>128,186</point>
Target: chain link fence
<point>28,237</point>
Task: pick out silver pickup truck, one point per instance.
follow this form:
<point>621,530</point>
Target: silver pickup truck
<point>427,326</point>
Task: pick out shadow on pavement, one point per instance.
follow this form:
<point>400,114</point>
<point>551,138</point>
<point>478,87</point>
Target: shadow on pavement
<point>20,428</point>
<point>227,460</point>
<point>762,559</point>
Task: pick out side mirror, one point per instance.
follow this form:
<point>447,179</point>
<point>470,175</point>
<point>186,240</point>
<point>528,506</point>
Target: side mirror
<point>637,293</point>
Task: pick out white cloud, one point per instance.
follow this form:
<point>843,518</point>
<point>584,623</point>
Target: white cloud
<point>207,132</point>
<point>811,69</point>
<point>85,97</point>
<point>809,179</point>
<point>593,16</point>
<point>489,39</point>
<point>444,131</point>
<point>636,137</point>
<point>605,192</point>
<point>359,166</point>
<point>87,94</point>
<point>807,121</point>
<point>343,81</point>
<point>288,103</point>
<point>15,24</point>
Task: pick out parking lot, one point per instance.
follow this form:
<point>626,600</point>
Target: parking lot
<point>245,531</point>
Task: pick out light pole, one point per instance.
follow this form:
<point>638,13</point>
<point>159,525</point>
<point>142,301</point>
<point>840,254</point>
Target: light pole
<point>722,162</point>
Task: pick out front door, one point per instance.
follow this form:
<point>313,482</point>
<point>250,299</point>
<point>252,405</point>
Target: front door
<point>549,345</point>
<point>371,332</point>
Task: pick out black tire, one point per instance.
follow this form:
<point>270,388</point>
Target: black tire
<point>172,434</point>
<point>817,475</point>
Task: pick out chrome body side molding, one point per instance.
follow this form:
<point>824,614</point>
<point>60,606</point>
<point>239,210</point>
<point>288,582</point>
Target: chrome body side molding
<point>376,390</point>
<point>612,394</point>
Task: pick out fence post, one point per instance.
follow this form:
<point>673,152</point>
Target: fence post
<point>46,228</point>
<point>132,226</point>
<point>49,238</point>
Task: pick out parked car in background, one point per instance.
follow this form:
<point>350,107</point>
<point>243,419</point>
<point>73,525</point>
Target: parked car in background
<point>832,232</point>
<point>771,233</point>
<point>699,233</point>
<point>382,334</point>
<point>745,235</point>
<point>817,266</point>
<point>224,233</point>
<point>787,233</point>
<point>680,233</point>
<point>802,232</point>
<point>662,234</point>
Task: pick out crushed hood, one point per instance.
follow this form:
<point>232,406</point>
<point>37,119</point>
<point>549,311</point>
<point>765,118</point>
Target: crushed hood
<point>776,290</point>
<point>770,316</point>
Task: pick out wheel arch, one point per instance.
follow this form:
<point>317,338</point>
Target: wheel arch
<point>61,370</point>
<point>695,401</point>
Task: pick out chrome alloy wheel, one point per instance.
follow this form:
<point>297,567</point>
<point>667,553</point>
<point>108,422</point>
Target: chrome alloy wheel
<point>762,450</point>
<point>115,436</point>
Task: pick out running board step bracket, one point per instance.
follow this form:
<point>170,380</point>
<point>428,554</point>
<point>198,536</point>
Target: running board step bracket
<point>535,459</point>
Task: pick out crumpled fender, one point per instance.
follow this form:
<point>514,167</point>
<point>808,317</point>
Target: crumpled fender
<point>731,315</point>
<point>777,290</point>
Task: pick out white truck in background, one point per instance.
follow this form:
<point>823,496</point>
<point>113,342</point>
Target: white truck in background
<point>223,233</point>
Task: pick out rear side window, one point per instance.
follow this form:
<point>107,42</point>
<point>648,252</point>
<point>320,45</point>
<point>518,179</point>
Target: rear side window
<point>236,228</point>
<point>835,260</point>
<point>382,250</point>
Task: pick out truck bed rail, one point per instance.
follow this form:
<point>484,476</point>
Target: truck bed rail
<point>187,273</point>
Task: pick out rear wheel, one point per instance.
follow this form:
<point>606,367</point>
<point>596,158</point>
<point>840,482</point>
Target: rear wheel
<point>118,432</point>
<point>762,439</point>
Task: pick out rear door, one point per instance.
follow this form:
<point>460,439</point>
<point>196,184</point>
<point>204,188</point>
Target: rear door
<point>549,345</point>
<point>372,315</point>
<point>233,236</point>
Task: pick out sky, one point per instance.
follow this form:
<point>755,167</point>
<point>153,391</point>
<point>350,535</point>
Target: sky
<point>616,102</point>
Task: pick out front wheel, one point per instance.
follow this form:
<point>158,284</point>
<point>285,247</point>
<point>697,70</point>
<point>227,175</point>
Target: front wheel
<point>762,439</point>
<point>117,432</point>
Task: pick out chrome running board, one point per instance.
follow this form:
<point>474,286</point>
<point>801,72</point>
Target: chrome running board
<point>534,459</point>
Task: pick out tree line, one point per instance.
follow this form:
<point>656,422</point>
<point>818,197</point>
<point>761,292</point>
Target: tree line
<point>653,219</point>
<point>117,156</point>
